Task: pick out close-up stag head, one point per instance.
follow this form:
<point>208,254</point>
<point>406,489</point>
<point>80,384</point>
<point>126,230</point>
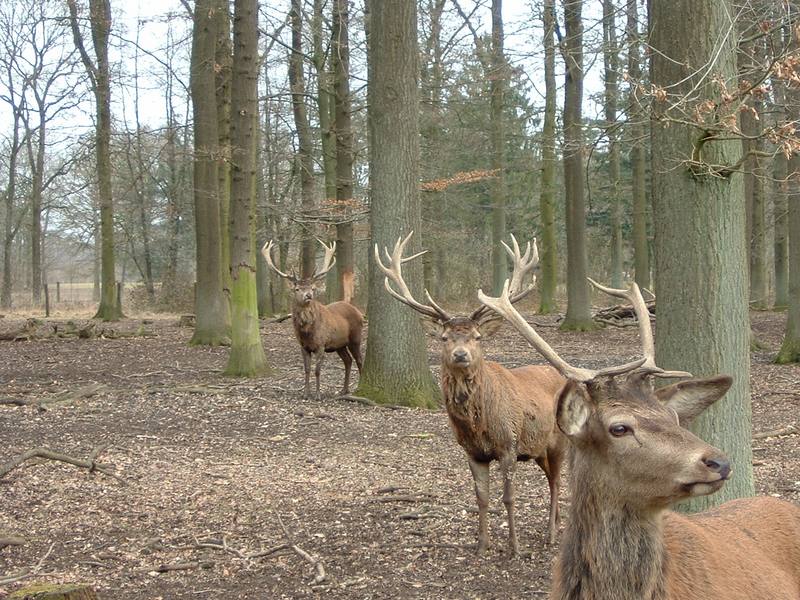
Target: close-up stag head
<point>304,289</point>
<point>629,438</point>
<point>460,334</point>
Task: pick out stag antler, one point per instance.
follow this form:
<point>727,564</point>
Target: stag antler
<point>327,262</point>
<point>634,295</point>
<point>266,251</point>
<point>502,305</point>
<point>523,264</point>
<point>393,272</point>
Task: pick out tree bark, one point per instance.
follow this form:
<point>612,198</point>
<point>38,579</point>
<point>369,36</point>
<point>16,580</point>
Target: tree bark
<point>247,356</point>
<point>211,308</point>
<point>548,251</point>
<point>699,216</point>
<point>305,148</point>
<point>223,55</point>
<point>790,349</point>
<point>579,314</point>
<point>324,103</point>
<point>781,213</point>
<point>396,366</point>
<point>638,138</point>
<point>611,70</point>
<point>340,48</point>
<point>100,19</point>
<point>497,194</point>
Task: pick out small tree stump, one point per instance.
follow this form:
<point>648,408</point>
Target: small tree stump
<point>186,321</point>
<point>56,591</point>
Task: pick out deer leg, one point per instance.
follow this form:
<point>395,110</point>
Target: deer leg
<point>480,475</point>
<point>553,472</point>
<point>307,367</point>
<point>507,467</point>
<point>318,370</point>
<point>348,362</point>
<point>355,350</point>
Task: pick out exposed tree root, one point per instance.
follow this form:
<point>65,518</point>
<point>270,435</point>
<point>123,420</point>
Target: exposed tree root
<point>89,463</point>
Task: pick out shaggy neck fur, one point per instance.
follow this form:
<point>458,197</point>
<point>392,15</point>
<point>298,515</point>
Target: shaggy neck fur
<point>304,315</point>
<point>610,548</point>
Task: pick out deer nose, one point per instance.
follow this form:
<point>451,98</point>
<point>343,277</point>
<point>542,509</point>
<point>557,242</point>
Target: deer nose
<point>719,465</point>
<point>460,355</point>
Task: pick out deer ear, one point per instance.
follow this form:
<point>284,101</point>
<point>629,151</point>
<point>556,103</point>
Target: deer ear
<point>572,409</point>
<point>492,326</point>
<point>692,397</point>
<point>431,327</point>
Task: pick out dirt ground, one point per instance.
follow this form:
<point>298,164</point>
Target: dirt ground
<point>212,469</point>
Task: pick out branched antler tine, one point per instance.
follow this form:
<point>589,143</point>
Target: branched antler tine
<point>634,295</point>
<point>266,251</point>
<point>442,314</point>
<point>394,272</point>
<point>502,305</point>
<point>328,261</point>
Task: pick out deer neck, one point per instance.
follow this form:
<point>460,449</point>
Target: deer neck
<point>305,315</point>
<point>611,549</point>
<point>460,385</point>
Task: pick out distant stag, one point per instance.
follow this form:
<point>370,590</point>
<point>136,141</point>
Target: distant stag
<point>321,328</point>
<point>632,459</point>
<point>507,415</point>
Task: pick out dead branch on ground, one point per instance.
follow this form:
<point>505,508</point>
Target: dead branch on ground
<point>315,562</point>
<point>60,399</point>
<point>90,463</point>
<point>28,571</point>
<point>788,430</point>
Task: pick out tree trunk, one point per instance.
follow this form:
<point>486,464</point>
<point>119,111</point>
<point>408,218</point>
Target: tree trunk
<point>548,250</point>
<point>340,48</point>
<point>211,307</point>
<point>324,102</point>
<point>396,364</point>
<point>497,194</point>
<point>100,19</point>
<point>37,185</point>
<point>247,356</point>
<point>579,315</point>
<point>222,77</point>
<point>699,215</point>
<point>611,70</point>
<point>790,349</point>
<point>781,213</point>
<point>637,134</point>
<point>9,230</point>
<point>305,147</point>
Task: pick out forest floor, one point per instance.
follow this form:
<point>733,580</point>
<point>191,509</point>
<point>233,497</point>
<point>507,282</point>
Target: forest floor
<point>212,469</point>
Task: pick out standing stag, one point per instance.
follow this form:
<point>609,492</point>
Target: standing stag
<point>631,460</point>
<point>321,328</point>
<point>507,415</point>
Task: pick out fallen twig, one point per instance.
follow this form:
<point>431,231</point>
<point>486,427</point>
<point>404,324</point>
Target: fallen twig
<point>62,398</point>
<point>788,430</point>
<point>27,572</point>
<point>89,463</point>
<point>11,540</point>
<point>315,562</point>
<point>184,566</point>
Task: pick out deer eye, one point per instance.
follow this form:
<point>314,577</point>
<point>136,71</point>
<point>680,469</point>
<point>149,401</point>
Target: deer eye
<point>619,429</point>
<point>444,337</point>
<point>477,336</point>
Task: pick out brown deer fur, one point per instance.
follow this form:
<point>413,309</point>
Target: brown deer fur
<point>321,328</point>
<point>622,542</point>
<point>500,414</point>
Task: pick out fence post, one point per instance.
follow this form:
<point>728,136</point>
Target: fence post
<point>46,301</point>
<point>58,292</point>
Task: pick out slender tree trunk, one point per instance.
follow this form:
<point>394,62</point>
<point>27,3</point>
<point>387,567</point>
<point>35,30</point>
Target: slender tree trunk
<point>637,134</point>
<point>497,194</point>
<point>611,64</point>
<point>211,308</point>
<point>548,262</point>
<point>9,231</point>
<point>305,148</point>
<point>703,324</point>
<point>222,74</point>
<point>781,214</point>
<point>396,366</point>
<point>790,349</point>
<point>579,316</point>
<point>247,356</point>
<point>340,47</point>
<point>100,18</point>
<point>37,185</point>
<point>324,103</point>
